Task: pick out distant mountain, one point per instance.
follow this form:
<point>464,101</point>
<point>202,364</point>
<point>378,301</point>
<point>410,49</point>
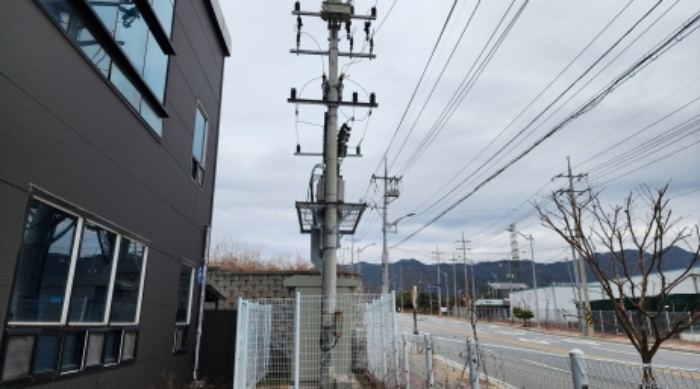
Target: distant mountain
<point>407,272</point>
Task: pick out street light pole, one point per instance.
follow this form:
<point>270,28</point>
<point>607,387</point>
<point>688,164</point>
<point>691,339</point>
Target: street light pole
<point>359,250</point>
<point>385,250</point>
<point>534,276</point>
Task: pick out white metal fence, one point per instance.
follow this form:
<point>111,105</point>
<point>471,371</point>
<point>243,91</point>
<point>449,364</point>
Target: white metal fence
<point>434,362</point>
<point>278,342</point>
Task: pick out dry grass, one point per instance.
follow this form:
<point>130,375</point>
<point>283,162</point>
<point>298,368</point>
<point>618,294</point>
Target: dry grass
<point>241,256</point>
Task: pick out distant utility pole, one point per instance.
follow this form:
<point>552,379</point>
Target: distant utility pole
<point>437,253</point>
<point>464,256</point>
<point>514,255</point>
<point>534,276</point>
<point>391,193</point>
<point>584,312</point>
<point>321,218</point>
<point>454,284</point>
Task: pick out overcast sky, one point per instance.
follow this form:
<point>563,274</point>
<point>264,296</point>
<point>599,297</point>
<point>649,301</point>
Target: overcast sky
<point>636,135</point>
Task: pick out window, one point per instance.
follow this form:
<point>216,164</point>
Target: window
<point>128,283</point>
<point>42,274</point>
<point>76,298</point>
<point>92,275</point>
<point>164,11</point>
<point>184,305</point>
<point>132,34</point>
<point>199,146</point>
<point>184,296</point>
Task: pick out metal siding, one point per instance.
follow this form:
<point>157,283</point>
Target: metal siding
<point>156,335</point>
<point>63,128</point>
<point>162,281</point>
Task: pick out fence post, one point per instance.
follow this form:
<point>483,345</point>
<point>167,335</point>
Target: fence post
<point>297,337</point>
<point>406,363</point>
<point>241,344</point>
<point>394,334</point>
<point>429,361</point>
<point>692,330</point>
<point>617,330</point>
<point>578,369</point>
<point>473,372</point>
<point>602,322</point>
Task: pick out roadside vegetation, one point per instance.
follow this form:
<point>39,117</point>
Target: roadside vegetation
<point>242,256</point>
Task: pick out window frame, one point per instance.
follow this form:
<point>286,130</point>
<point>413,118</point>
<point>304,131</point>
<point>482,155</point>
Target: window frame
<point>63,328</point>
<point>110,286</point>
<point>71,269</point>
<point>144,266</point>
<point>189,298</point>
<point>199,165</point>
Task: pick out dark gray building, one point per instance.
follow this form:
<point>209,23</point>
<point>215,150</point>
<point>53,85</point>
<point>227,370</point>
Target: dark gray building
<point>109,125</point>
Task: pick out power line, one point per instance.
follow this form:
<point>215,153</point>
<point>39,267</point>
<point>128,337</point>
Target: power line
<point>660,49</point>
<point>420,80</point>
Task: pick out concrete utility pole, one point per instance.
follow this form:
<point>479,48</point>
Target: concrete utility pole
<point>585,311</point>
<point>447,294</point>
<point>454,284</point>
<point>464,256</point>
<point>391,192</point>
<point>322,217</point>
<point>437,253</point>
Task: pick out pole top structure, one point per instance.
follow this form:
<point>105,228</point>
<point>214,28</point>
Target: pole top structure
<point>330,9</point>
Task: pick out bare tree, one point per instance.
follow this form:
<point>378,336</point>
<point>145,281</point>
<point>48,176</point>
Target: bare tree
<point>632,277</point>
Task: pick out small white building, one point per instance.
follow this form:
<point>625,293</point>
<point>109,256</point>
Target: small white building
<point>557,301</point>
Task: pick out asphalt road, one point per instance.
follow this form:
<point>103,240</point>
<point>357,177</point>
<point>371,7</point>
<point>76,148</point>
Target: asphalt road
<point>503,335</point>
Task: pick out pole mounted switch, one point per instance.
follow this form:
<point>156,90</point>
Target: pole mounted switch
<point>341,10</point>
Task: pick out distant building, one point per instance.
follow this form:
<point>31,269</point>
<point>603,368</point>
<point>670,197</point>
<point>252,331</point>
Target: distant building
<point>109,128</point>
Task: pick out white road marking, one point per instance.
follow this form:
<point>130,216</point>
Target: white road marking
<point>539,341</point>
<point>581,341</point>
<point>514,333</point>
<point>615,351</point>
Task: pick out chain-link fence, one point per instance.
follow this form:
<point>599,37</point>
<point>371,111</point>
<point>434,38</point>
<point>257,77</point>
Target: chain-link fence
<point>282,343</point>
<point>603,321</point>
<point>435,362</point>
<point>604,374</point>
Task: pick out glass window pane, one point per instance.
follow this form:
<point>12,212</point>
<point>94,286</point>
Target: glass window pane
<point>19,357</point>
<point>127,282</point>
<point>200,124</point>
<point>152,118</point>
<point>93,271</point>
<point>114,340</point>
<point>72,354</point>
<point>156,68</point>
<point>129,349</point>
<point>91,47</point>
<point>43,267</point>
<point>107,12</point>
<point>46,354</point>
<point>96,342</point>
<point>131,34</point>
<point>183,295</point>
<point>60,10</point>
<point>123,85</point>
<point>164,12</point>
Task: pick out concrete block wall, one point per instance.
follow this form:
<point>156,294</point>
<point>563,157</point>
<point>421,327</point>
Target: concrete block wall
<point>267,284</point>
